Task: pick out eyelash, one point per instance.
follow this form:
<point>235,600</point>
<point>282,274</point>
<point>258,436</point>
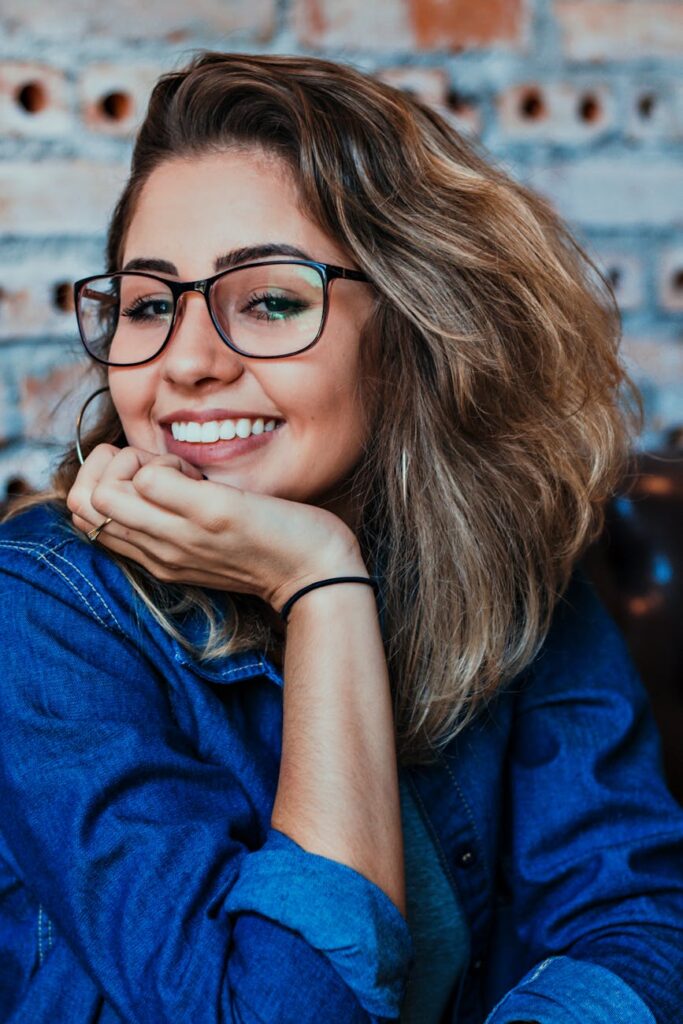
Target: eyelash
<point>137,306</point>
<point>296,308</point>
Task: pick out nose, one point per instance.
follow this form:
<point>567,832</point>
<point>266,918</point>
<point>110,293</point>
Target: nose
<point>195,353</point>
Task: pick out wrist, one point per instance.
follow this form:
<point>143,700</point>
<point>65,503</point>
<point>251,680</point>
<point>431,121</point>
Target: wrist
<point>340,557</point>
<point>334,581</point>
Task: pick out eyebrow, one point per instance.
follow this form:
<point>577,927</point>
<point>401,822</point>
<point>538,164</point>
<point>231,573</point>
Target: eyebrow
<point>230,259</point>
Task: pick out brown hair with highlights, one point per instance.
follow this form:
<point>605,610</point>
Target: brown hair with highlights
<point>491,371</point>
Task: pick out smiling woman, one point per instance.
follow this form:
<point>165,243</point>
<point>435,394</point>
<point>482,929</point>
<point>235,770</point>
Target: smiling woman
<point>320,719</point>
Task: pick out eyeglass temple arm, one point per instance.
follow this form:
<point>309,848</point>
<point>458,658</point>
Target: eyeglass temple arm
<point>90,293</point>
<point>352,275</point>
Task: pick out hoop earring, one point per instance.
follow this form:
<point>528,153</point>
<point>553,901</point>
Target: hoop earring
<point>79,418</point>
<point>405,462</point>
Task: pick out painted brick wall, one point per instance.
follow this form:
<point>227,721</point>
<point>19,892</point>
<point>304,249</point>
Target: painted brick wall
<point>583,99</point>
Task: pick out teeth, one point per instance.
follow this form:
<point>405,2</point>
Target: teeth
<point>209,431</point>
<point>225,430</point>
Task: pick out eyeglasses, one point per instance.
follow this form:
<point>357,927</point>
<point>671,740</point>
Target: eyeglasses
<point>263,310</point>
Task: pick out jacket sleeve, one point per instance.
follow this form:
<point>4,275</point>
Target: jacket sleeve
<point>594,860</point>
<point>135,846</point>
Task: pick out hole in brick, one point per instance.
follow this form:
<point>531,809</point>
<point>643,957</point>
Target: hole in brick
<point>677,280</point>
<point>531,105</point>
<point>16,485</point>
<point>674,437</point>
<point>589,108</point>
<point>32,97</point>
<point>646,105</point>
<point>63,297</point>
<point>116,106</point>
<point>456,102</point>
<point>614,277</point>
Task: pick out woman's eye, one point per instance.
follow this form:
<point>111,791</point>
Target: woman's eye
<point>147,309</point>
<point>275,307</point>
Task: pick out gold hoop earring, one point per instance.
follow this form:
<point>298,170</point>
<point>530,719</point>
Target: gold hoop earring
<point>79,418</point>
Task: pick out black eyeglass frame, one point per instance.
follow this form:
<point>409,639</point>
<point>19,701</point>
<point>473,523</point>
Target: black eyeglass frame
<point>328,273</point>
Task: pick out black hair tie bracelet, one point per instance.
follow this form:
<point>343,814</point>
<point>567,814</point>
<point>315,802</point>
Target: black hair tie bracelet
<point>370,580</point>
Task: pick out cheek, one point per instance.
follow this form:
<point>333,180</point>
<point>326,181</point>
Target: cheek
<point>132,400</point>
<point>338,421</point>
<point>332,410</point>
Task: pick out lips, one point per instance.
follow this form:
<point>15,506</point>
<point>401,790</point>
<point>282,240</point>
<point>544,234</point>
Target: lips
<point>206,415</point>
<point>213,453</point>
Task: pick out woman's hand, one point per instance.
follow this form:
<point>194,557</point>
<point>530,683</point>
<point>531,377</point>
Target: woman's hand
<point>185,529</point>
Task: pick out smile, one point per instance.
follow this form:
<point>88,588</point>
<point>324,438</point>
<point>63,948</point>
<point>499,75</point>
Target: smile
<point>219,430</point>
<point>241,438</point>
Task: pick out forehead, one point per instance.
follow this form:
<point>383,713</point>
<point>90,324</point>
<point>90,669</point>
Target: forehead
<point>198,207</point>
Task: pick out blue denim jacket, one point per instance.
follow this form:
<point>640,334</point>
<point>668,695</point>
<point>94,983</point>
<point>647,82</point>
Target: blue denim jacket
<point>141,881</point>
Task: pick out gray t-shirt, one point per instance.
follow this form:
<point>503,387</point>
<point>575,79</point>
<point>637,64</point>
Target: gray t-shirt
<point>436,922</point>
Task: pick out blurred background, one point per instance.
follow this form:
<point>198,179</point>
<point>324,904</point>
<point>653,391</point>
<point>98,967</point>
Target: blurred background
<point>581,99</point>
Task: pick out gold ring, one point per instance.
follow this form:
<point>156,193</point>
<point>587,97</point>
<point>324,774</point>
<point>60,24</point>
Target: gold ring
<point>94,534</point>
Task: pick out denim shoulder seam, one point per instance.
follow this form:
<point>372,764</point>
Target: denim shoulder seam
<point>42,553</point>
<point>242,668</point>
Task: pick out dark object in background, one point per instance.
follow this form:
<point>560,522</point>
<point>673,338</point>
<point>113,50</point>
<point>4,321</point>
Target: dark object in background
<point>637,569</point>
<point>16,487</point>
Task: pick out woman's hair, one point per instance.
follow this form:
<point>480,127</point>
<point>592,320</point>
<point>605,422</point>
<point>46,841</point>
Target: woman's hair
<point>490,372</point>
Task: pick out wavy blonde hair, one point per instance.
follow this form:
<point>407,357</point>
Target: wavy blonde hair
<point>501,415</point>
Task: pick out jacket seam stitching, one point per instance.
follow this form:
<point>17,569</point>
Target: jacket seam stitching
<point>42,556</point>
<point>470,816</point>
<point>40,934</point>
<point>85,579</point>
<point>243,668</point>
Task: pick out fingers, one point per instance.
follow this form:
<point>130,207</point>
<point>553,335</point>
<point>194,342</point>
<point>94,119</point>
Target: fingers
<point>152,502</point>
<point>78,499</point>
<point>161,482</point>
<point>103,487</point>
<point>164,569</point>
<point>130,461</point>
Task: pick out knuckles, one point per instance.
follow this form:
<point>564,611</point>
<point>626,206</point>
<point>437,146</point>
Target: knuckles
<point>73,502</point>
<point>146,476</point>
<point>77,503</point>
<point>215,524</point>
<point>100,499</point>
<point>167,572</point>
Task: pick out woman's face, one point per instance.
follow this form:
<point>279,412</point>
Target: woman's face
<point>190,213</point>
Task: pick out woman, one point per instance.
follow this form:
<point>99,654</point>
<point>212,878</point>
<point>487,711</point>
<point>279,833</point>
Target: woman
<point>307,713</point>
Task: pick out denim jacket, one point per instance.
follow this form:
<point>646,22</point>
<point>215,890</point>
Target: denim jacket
<point>141,881</point>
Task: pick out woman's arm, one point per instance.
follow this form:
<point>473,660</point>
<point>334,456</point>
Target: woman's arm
<point>338,789</point>
<point>146,855</point>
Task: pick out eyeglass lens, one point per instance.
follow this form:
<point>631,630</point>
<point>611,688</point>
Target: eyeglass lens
<point>265,310</point>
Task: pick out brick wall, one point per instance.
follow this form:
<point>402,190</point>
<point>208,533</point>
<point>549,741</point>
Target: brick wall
<point>580,98</point>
